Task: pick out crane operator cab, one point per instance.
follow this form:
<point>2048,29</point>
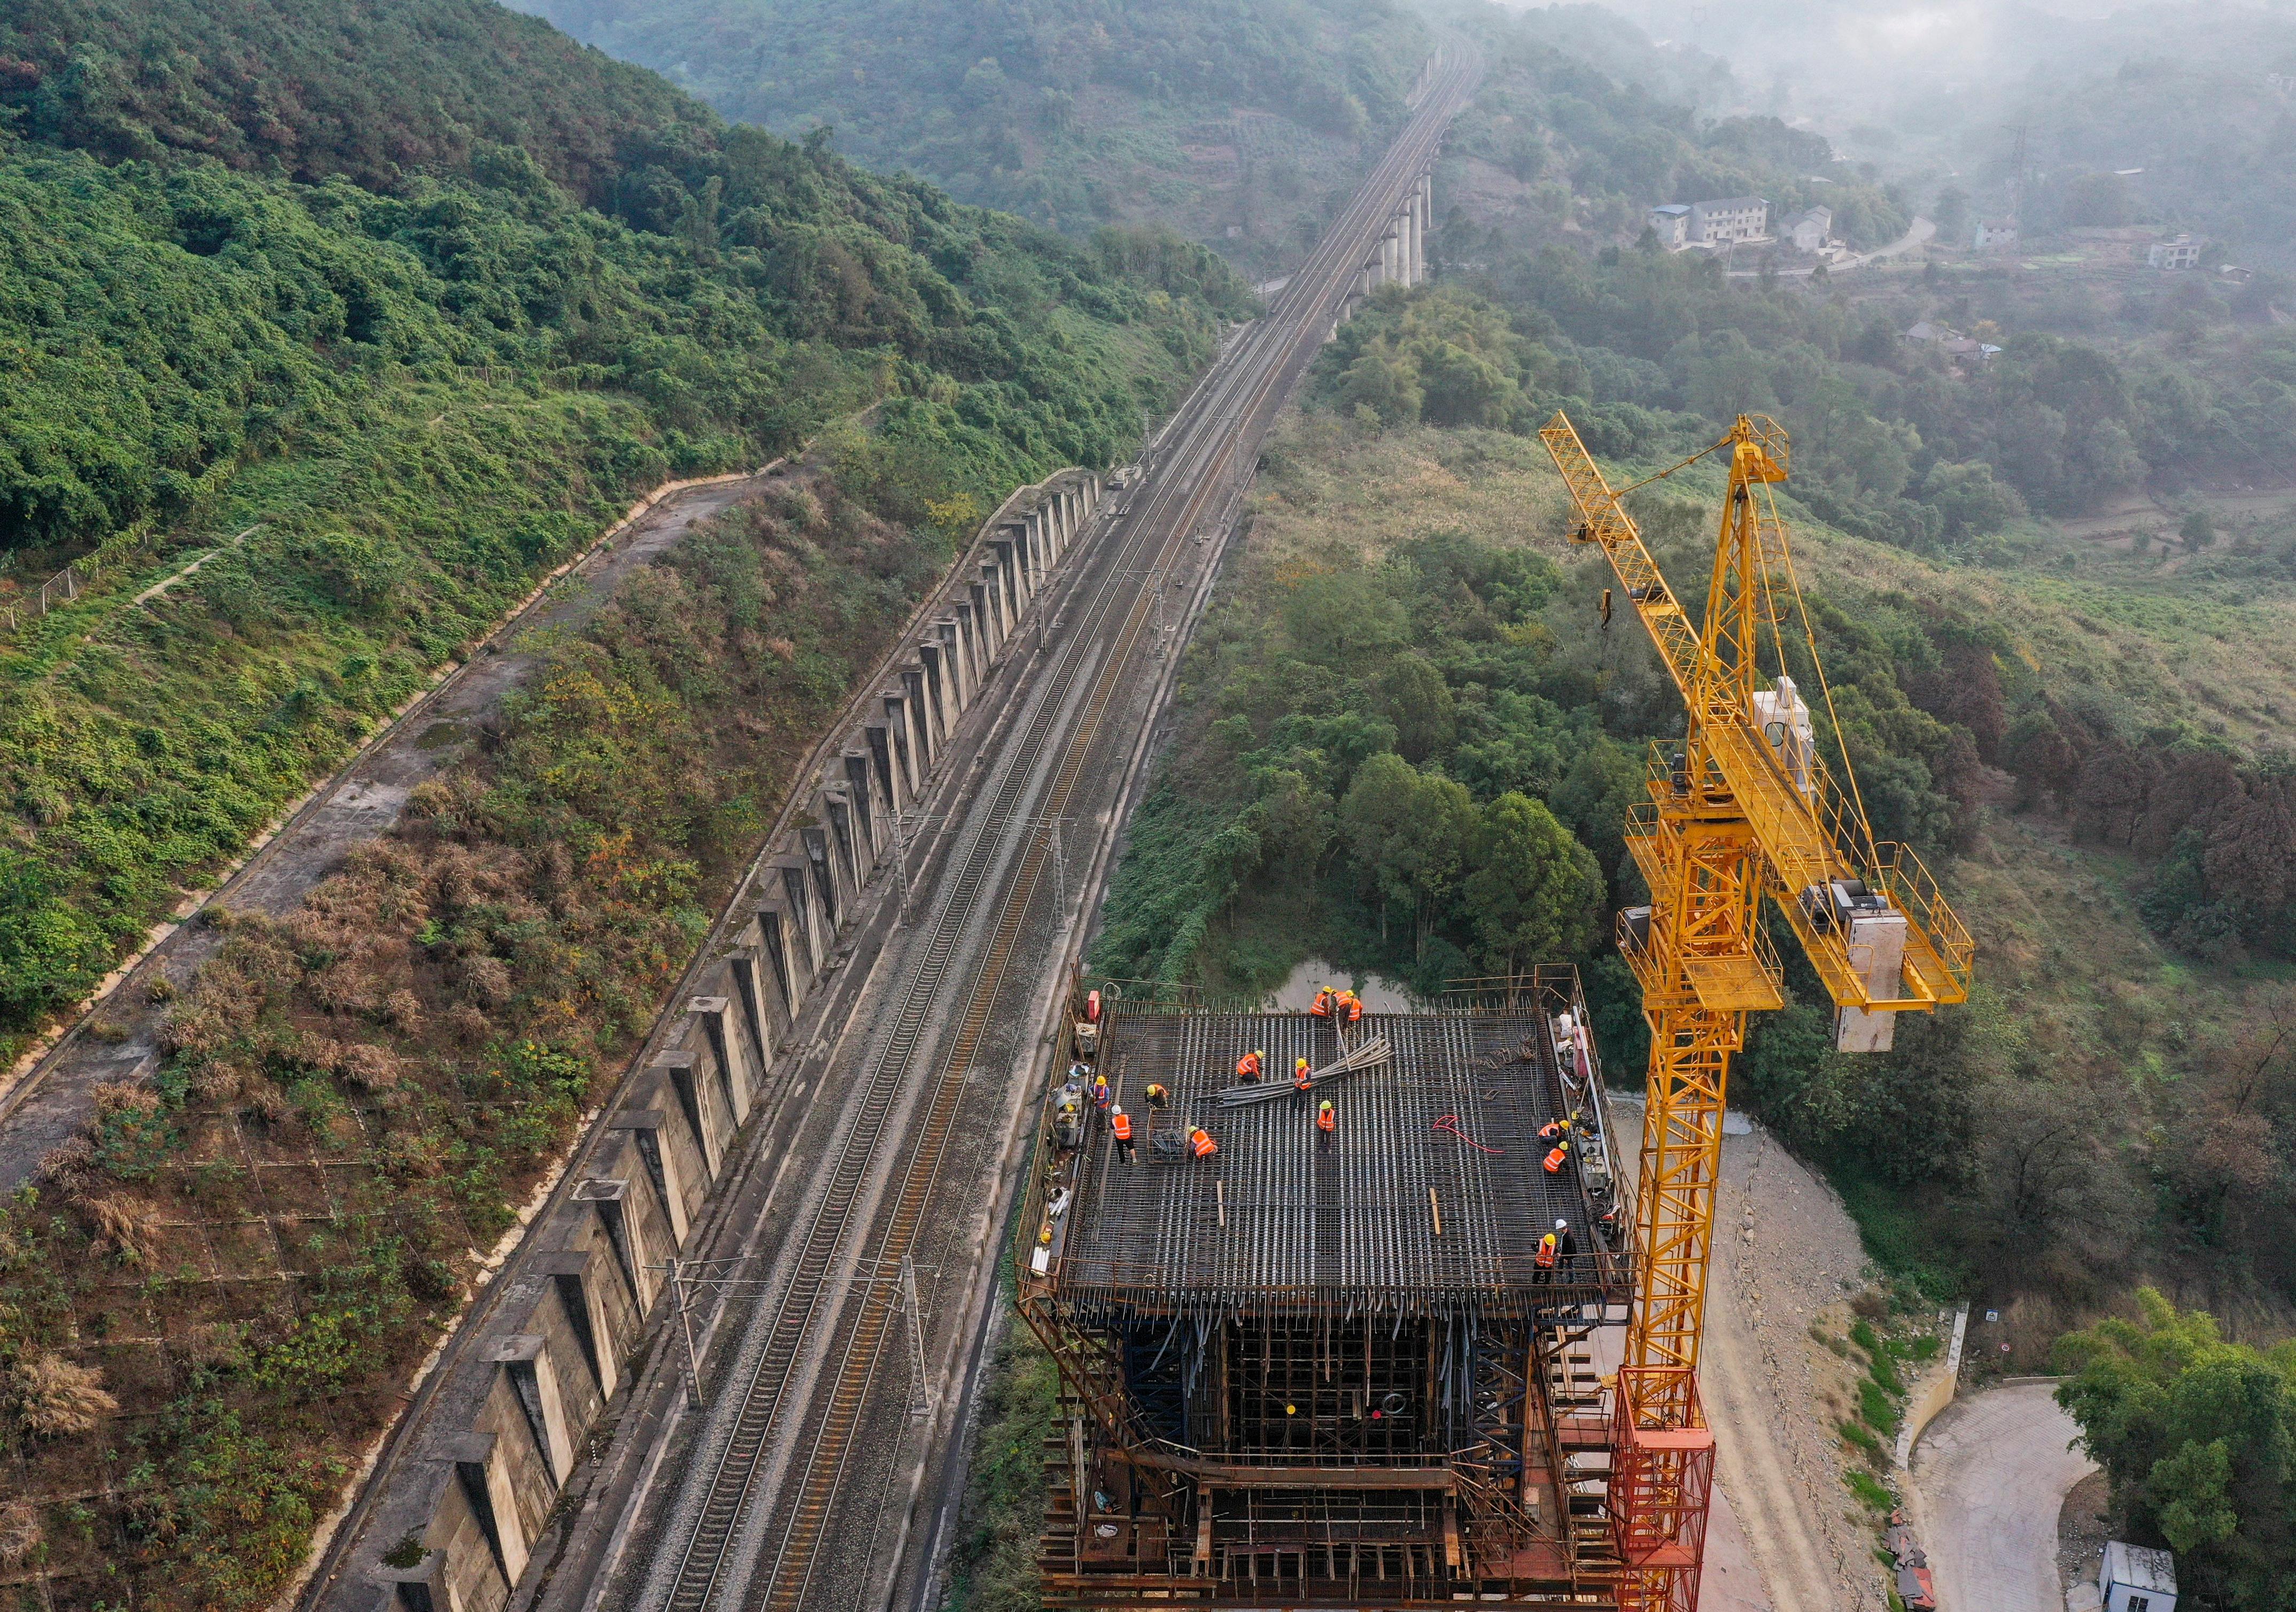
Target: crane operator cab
<point>1782,716</point>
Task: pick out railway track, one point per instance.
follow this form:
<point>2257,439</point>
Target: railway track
<point>1200,461</point>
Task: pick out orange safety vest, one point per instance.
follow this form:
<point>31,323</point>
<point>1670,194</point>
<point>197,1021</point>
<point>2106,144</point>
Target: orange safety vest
<point>1554,1159</point>
<point>1157,1096</point>
<point>1200,1139</point>
<point>1547,1252</point>
<point>1300,1075</point>
<point>1325,1120</point>
<point>1322,1008</point>
<point>1555,1131</point>
<point>1355,1007</point>
<point>1121,1123</point>
<point>1247,1067</point>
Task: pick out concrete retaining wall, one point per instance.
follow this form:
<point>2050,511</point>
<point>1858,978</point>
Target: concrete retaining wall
<point>452,1529</point>
<point>1932,1394</point>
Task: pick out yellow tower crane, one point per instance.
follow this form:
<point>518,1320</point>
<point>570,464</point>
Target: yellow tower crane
<point>1744,806</point>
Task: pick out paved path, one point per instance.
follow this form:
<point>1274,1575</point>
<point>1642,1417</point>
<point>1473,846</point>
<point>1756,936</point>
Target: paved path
<point>1918,232</point>
<point>1989,1477</point>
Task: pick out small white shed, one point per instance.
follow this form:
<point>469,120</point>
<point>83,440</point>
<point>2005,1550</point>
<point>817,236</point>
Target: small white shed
<point>2133,1579</point>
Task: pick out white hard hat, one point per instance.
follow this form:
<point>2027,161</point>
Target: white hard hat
<point>1562,1225</point>
<point>1116,1108</point>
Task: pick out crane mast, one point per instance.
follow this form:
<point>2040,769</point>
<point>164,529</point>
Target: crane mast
<point>1744,806</point>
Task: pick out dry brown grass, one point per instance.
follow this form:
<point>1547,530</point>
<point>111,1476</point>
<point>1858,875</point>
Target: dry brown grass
<point>367,1066</point>
<point>124,1097</point>
<point>56,1398</point>
<point>20,1532</point>
<point>402,1010</point>
<point>123,1223</point>
<point>67,1164</point>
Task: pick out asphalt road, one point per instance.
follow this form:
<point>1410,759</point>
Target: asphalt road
<point>1990,1475</point>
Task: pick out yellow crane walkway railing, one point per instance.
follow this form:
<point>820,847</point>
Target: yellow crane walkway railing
<point>1744,808</point>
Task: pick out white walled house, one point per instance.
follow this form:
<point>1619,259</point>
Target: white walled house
<point>1729,220</point>
<point>1671,225</point>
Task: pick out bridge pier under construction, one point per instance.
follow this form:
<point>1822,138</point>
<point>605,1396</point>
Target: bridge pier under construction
<point>1354,1366</point>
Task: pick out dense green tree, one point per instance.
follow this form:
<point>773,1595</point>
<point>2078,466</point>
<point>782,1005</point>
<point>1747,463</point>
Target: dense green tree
<point>2198,1437</point>
<point>1534,891</point>
<point>403,304</point>
<point>1411,834</point>
<point>987,99</point>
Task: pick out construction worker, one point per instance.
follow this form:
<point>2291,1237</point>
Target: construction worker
<point>1120,1124</point>
<point>1566,1246</point>
<point>1159,1095</point>
<point>1555,1160</point>
<point>1100,1096</point>
<point>1302,1082</point>
<point>1327,1122</point>
<point>1555,1131</point>
<point>1352,1005</point>
<point>1249,1066</point>
<point>1200,1143</point>
<point>1543,1261</point>
<point>1322,1008</point>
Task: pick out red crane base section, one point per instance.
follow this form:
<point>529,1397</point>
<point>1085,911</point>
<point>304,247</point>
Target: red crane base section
<point>1661,1484</point>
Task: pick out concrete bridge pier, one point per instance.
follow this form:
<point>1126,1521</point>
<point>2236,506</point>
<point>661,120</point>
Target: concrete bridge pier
<point>477,1497</point>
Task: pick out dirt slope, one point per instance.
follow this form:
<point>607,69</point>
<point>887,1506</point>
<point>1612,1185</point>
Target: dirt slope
<point>1786,1256</point>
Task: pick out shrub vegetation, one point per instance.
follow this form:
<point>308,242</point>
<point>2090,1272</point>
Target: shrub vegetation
<point>386,365</point>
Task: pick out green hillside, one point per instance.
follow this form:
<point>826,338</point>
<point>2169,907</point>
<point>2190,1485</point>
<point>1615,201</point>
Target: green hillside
<point>368,91</point>
<point>1236,121</point>
<point>249,291</point>
<point>2054,589</point>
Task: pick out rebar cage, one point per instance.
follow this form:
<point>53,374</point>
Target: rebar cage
<point>1329,1366</point>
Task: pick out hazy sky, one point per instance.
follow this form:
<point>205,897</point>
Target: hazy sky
<point>1924,65</point>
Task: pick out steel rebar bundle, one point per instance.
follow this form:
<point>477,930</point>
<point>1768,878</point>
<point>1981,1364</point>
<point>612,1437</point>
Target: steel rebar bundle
<point>1371,1055</point>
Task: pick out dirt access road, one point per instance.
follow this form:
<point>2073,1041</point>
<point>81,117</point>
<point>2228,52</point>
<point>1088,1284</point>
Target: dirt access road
<point>1990,1476</point>
<point>1787,1535</point>
<point>52,1100</point>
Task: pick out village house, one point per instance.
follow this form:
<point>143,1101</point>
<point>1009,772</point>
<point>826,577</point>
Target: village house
<point>1728,221</point>
<point>1995,234</point>
<point>2181,252</point>
<point>1809,231</point>
<point>1671,225</point>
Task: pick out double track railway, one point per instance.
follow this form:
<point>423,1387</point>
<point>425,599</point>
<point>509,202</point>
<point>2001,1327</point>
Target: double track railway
<point>750,1524</point>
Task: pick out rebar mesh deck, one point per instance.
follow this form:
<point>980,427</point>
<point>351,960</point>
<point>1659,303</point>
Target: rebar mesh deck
<point>1276,1223</point>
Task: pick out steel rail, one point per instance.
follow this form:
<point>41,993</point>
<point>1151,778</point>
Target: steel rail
<point>703,1559</point>
<point>1207,451</point>
<point>818,1491</point>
